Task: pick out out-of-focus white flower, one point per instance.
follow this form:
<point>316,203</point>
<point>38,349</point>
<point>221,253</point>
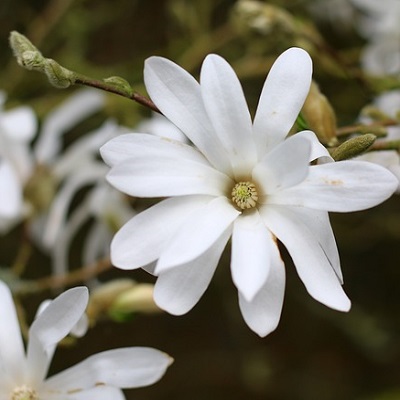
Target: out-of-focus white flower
<point>17,128</point>
<point>241,179</point>
<point>101,376</point>
<point>389,103</point>
<point>380,25</point>
<point>108,208</point>
<point>71,169</point>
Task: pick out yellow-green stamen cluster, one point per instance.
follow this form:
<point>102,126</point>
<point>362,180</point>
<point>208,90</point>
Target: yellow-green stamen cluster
<point>244,195</point>
<point>24,393</point>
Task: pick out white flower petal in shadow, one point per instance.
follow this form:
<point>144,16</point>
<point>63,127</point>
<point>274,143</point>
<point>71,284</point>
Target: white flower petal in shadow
<point>242,179</point>
<point>24,376</point>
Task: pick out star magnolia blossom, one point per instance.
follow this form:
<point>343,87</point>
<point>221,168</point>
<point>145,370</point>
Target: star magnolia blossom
<point>98,377</point>
<point>241,179</point>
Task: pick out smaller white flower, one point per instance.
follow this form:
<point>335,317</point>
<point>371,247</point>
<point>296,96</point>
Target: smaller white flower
<point>100,377</point>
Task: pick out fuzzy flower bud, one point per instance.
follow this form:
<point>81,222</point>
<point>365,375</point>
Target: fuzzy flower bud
<point>353,147</point>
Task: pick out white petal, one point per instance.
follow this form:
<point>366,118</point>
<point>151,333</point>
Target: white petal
<point>19,124</point>
<point>52,325</point>
<point>129,367</point>
<point>263,313</point>
<point>12,357</point>
<point>11,192</point>
<point>282,97</point>
<point>84,151</point>
<point>229,114</point>
<point>177,94</point>
<point>284,166</point>
<point>318,150</point>
<point>144,176</point>
<point>318,223</point>
<point>141,240</point>
<point>76,108</point>
<point>179,289</point>
<point>130,145</point>
<point>342,186</point>
<point>60,205</point>
<point>308,256</point>
<point>198,232</point>
<point>251,254</point>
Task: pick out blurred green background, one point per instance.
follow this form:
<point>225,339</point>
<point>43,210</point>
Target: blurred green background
<point>316,353</point>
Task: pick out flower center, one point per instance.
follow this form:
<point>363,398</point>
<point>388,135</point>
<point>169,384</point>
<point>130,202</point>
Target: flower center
<point>24,393</point>
<point>244,195</point>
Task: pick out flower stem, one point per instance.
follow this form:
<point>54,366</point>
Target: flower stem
<point>111,88</point>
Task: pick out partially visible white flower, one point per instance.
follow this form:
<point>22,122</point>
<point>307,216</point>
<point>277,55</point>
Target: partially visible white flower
<point>380,25</point>
<point>101,376</point>
<point>241,179</point>
<point>388,103</point>
<point>17,128</point>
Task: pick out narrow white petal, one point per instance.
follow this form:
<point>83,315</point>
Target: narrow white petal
<point>11,192</point>
<point>318,223</point>
<point>229,114</point>
<point>284,166</point>
<point>144,176</point>
<point>84,151</point>
<point>129,367</point>
<point>12,357</point>
<point>177,94</point>
<point>199,231</point>
<point>309,258</point>
<point>251,254</point>
<point>342,186</point>
<point>318,150</point>
<point>19,124</point>
<point>52,325</point>
<point>282,97</point>
<point>142,239</point>
<point>59,207</point>
<point>131,145</point>
<point>263,312</point>
<point>76,108</point>
<point>179,289</point>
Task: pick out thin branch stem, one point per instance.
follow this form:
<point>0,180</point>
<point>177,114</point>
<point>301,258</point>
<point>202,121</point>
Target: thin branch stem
<point>102,85</point>
<point>69,279</point>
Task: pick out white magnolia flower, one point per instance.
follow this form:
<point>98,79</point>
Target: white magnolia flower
<point>101,376</point>
<point>17,127</point>
<point>243,180</point>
